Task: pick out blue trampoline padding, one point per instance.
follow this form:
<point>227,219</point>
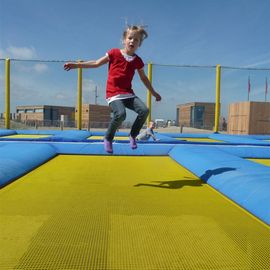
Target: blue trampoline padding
<point>163,138</point>
<point>121,149</point>
<point>71,135</point>
<point>38,132</point>
<point>243,181</point>
<point>237,139</point>
<point>58,135</point>
<point>186,135</point>
<point>16,159</point>
<point>247,151</point>
<point>166,138</point>
<point>7,132</point>
<point>102,133</point>
<point>260,137</point>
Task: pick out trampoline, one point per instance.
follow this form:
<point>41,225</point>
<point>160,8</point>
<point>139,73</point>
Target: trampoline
<point>263,161</point>
<point>66,204</point>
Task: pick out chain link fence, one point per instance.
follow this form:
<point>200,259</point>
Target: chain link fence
<point>188,94</point>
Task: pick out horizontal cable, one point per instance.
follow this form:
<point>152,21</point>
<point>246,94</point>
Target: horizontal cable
<point>184,66</point>
<point>154,64</point>
<point>208,66</point>
<point>38,60</point>
<point>41,61</point>
<point>244,68</point>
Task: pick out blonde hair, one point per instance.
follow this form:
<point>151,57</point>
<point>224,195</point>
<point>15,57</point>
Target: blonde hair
<point>137,28</point>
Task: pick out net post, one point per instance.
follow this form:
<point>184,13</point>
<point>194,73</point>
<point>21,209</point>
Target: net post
<point>79,99</point>
<point>7,97</point>
<point>217,104</point>
<point>149,96</point>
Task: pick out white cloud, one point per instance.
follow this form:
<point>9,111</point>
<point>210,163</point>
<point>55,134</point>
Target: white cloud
<point>258,64</point>
<point>89,87</point>
<point>89,84</point>
<point>2,54</point>
<point>37,68</point>
<point>40,68</point>
<point>260,60</point>
<point>60,96</point>
<point>18,52</point>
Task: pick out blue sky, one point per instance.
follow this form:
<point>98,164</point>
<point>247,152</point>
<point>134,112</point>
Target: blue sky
<point>192,32</point>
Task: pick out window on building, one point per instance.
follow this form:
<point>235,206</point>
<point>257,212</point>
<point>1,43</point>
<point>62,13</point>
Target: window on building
<point>29,110</point>
<point>20,111</point>
<point>39,110</point>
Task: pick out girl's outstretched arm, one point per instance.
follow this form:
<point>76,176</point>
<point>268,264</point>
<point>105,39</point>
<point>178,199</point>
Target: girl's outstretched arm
<point>87,64</point>
<point>148,84</point>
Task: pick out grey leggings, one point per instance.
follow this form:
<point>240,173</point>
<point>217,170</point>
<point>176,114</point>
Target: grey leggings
<point>119,115</point>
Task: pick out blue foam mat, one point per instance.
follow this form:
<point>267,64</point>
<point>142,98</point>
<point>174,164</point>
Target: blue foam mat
<point>16,159</point>
<point>82,136</point>
<point>119,149</point>
<point>247,151</point>
<point>7,132</point>
<point>243,181</point>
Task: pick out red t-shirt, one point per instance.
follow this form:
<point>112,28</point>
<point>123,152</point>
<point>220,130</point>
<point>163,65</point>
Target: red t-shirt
<point>121,73</point>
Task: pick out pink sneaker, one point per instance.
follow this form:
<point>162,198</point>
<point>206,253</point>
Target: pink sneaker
<point>108,146</point>
<point>133,143</point>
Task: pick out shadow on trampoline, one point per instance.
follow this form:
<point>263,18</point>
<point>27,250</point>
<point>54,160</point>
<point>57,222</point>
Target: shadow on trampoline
<point>217,171</point>
<point>176,184</point>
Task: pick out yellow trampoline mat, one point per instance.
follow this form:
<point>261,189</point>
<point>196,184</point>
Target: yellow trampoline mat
<point>197,139</point>
<point>119,212</point>
<point>26,136</point>
<point>120,138</point>
<point>262,161</point>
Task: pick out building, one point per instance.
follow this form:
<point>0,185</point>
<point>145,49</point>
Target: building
<point>45,115</point>
<point>95,116</point>
<point>196,114</point>
<point>249,117</point>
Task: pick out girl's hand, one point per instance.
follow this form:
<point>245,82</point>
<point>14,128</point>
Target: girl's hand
<point>69,66</point>
<point>157,96</point>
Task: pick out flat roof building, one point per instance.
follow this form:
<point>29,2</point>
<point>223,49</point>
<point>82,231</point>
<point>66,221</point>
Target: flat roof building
<point>44,115</point>
<point>196,115</point>
<point>49,115</point>
<point>95,116</point>
<point>249,117</point>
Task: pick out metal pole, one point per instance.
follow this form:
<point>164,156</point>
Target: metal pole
<point>96,95</point>
<point>79,101</point>
<point>217,107</point>
<point>7,101</point>
<point>149,96</point>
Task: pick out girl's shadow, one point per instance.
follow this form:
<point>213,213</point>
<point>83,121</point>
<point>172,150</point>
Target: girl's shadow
<point>176,184</point>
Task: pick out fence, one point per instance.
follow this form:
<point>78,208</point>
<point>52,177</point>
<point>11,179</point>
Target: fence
<point>36,82</point>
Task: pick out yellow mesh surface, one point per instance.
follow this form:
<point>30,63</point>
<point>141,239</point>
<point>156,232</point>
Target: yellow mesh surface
<point>26,136</point>
<point>265,161</point>
<point>100,212</point>
<point>197,139</point>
